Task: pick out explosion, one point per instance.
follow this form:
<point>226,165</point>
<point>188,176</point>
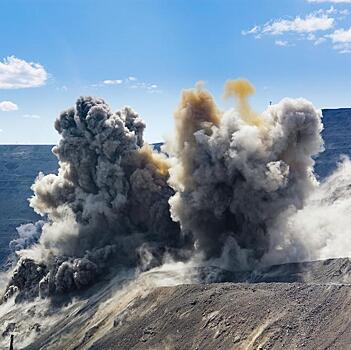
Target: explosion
<point>236,173</point>
<point>230,183</point>
<point>107,206</point>
<point>241,89</point>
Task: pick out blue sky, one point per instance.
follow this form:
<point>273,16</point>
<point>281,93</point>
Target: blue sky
<point>143,53</point>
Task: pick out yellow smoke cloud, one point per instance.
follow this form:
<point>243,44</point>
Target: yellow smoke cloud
<point>241,89</point>
<point>155,162</point>
<point>197,111</point>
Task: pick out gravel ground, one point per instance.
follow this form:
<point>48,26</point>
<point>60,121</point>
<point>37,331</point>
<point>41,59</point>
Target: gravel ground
<point>236,316</point>
<point>292,306</point>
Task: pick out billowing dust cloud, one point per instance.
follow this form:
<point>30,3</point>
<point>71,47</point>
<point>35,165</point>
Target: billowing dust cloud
<point>231,191</point>
<point>235,173</point>
<point>107,206</point>
<point>242,89</point>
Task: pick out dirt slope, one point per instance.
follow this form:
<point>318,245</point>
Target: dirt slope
<point>236,316</point>
<point>292,306</point>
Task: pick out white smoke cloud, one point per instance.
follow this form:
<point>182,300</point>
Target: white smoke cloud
<point>320,229</point>
<point>28,234</point>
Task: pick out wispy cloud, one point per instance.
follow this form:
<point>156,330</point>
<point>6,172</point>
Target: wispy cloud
<point>16,74</point>
<point>253,30</point>
<point>312,23</point>
<point>319,41</point>
<point>152,88</point>
<point>112,82</point>
<point>130,82</point>
<point>317,27</point>
<point>341,39</point>
<point>341,36</point>
<point>8,106</point>
<point>309,24</point>
<point>300,25</point>
<point>283,43</point>
<point>31,116</point>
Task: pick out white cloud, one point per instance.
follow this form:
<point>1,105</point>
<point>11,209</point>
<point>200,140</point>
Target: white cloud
<point>253,30</point>
<point>309,24</point>
<point>113,82</point>
<point>303,27</point>
<point>151,88</point>
<point>131,82</point>
<point>319,41</point>
<point>282,43</point>
<point>8,106</point>
<point>317,27</point>
<point>340,36</point>
<point>31,116</point>
<point>342,47</point>
<point>341,39</point>
<point>1,130</point>
<point>16,74</point>
<point>332,1</point>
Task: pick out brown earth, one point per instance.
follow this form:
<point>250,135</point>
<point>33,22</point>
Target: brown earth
<point>292,306</point>
<point>236,316</point>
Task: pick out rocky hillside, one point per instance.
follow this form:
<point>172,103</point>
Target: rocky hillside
<point>311,314</point>
<point>236,316</point>
<point>291,306</point>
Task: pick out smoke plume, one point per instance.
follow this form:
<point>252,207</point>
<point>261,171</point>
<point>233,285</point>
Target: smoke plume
<point>28,234</point>
<point>237,189</point>
<point>235,173</point>
<point>319,230</point>
<point>107,205</point>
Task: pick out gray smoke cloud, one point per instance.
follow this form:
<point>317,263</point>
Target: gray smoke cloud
<point>236,173</point>
<point>236,191</point>
<point>28,235</point>
<point>109,199</point>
